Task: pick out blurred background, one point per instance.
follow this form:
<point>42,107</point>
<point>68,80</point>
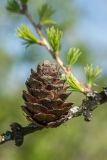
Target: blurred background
<point>85,26</point>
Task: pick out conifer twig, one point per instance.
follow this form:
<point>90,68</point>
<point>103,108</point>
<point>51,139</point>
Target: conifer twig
<point>43,42</point>
<point>92,101</point>
<point>92,98</point>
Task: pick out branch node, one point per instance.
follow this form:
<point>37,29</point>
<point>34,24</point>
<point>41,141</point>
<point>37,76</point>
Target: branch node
<point>17,133</point>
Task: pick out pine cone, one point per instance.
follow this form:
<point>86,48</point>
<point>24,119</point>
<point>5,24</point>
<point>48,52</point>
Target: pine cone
<point>45,96</point>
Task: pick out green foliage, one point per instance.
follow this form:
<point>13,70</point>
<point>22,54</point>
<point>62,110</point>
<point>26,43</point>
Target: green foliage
<point>54,36</point>
<point>13,6</point>
<point>73,84</point>
<point>73,55</point>
<point>23,1</point>
<point>24,33</point>
<point>45,12</point>
<point>91,74</point>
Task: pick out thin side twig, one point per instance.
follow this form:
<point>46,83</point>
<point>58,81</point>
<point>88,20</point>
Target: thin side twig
<point>43,42</point>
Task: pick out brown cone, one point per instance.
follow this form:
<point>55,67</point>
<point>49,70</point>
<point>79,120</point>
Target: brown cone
<point>45,96</point>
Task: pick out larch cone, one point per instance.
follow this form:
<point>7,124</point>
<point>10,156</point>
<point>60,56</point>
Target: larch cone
<point>45,99</point>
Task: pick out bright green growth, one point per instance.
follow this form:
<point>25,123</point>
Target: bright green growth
<point>45,12</point>
<point>73,55</point>
<point>24,33</point>
<point>13,6</point>
<point>73,84</point>
<point>23,1</point>
<point>91,74</point>
<point>54,37</point>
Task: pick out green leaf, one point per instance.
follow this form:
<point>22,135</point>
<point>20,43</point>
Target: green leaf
<point>54,37</point>
<point>45,12</point>
<point>24,33</point>
<point>23,1</point>
<point>91,74</point>
<point>13,6</point>
<point>73,55</point>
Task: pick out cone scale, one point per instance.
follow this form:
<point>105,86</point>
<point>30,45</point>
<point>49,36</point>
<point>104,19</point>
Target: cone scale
<point>44,100</point>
